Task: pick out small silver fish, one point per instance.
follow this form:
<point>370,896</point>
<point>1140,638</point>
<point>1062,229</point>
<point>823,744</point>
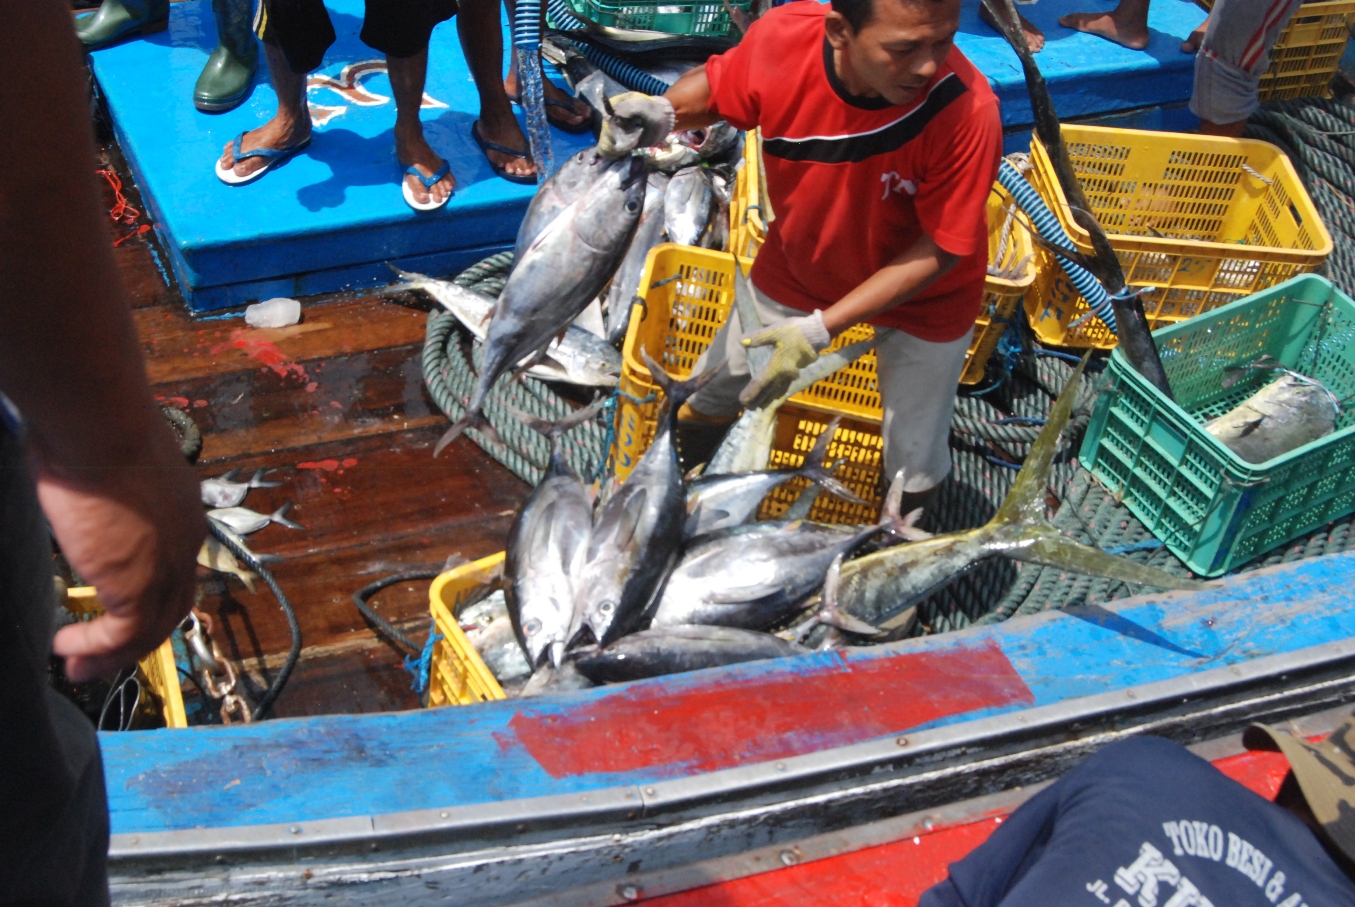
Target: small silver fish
<point>224,491</point>
<point>243,521</point>
<point>674,650</point>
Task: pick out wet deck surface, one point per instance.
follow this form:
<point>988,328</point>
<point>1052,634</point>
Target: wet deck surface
<point>337,406</point>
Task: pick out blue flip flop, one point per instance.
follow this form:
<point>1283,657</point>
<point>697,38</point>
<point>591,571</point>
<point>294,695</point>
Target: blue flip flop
<point>428,183</point>
<point>586,125</point>
<point>273,156</point>
<point>487,146</point>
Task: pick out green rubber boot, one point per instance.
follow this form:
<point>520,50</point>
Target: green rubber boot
<point>229,73</point>
<point>118,19</point>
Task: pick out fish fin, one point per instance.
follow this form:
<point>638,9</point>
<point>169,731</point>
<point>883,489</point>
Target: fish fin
<point>1055,550</point>
<point>1025,502</point>
<point>830,363</point>
<point>803,503</point>
<point>837,489</point>
<point>831,612</point>
<point>695,473</point>
<point>819,452</point>
<point>745,307</point>
<point>557,654</point>
<point>815,470</point>
<point>230,476</point>
<point>554,430</point>
<point>676,391</point>
<point>631,513</point>
<point>407,276</point>
<point>279,516</point>
<point>257,480</point>
<point>1249,427</point>
<point>474,419</point>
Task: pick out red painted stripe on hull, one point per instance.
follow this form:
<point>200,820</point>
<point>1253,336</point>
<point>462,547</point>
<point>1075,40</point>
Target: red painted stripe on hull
<point>760,719</point>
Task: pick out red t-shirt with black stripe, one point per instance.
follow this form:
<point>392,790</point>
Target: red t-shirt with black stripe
<point>854,182</point>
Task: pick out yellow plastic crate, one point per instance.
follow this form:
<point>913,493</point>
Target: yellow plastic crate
<point>157,669</point>
<point>1308,51</point>
<point>749,212</point>
<point>1202,220</point>
<point>458,675</point>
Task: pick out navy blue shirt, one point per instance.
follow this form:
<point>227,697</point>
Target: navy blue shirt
<point>1145,823</point>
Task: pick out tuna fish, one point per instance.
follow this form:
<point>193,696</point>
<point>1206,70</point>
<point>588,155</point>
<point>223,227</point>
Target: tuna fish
<point>675,650</point>
<point>626,283</point>
<point>722,501</point>
<point>243,521</point>
<point>638,533</point>
<point>224,491</point>
<point>578,357</point>
<point>1282,416</point>
<point>564,187</point>
<point>688,206</point>
<point>546,548</point>
<point>566,266</point>
<point>879,588</point>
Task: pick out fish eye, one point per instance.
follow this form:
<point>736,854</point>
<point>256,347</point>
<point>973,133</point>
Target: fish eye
<point>632,207</point>
<point>531,627</point>
<point>607,606</point>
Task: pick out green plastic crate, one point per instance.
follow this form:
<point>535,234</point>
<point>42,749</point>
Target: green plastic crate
<point>1210,507</point>
<point>707,19</point>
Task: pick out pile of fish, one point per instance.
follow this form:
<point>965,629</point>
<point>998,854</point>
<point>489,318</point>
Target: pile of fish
<point>224,496</point>
<point>671,573</point>
<point>581,248</point>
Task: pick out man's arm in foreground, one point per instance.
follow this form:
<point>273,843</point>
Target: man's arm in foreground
<point>121,500</point>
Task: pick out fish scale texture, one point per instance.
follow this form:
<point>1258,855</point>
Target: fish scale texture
<point>1319,136</point>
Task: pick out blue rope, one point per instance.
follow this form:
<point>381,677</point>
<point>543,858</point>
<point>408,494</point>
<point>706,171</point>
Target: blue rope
<point>608,416</point>
<point>1145,545</point>
<point>630,76</point>
<point>421,668</point>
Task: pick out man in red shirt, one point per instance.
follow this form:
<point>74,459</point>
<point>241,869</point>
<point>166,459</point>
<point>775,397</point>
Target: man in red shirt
<point>881,143</point>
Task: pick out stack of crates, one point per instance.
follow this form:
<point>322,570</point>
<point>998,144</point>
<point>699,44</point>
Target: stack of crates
<point>1197,221</point>
<point>1308,52</point>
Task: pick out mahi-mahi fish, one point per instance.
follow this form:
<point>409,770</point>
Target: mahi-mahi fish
<point>546,548</point>
<point>561,272</point>
<point>638,533</point>
<point>1284,415</point>
<point>881,587</point>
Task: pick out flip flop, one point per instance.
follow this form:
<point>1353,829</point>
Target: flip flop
<point>273,157</point>
<point>571,128</point>
<point>428,183</point>
<point>487,146</point>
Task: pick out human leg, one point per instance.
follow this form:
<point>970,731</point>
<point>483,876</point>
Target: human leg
<point>564,111</point>
<point>478,26</point>
<point>917,380</point>
<point>225,80</point>
<point>1034,37</point>
<point>407,75</point>
<point>1195,38</point>
<point>1126,24</point>
<point>118,19</point>
<point>53,808</point>
<point>1234,55</point>
<point>295,35</point>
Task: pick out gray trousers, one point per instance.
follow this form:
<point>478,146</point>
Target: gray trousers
<point>917,380</point>
<point>1234,55</point>
<point>53,808</point>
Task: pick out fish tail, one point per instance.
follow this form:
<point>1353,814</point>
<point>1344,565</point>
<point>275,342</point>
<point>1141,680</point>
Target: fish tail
<point>1025,502</point>
<point>831,613</point>
<point>472,419</point>
<point>676,391</point>
<point>257,480</point>
<point>555,429</point>
<point>1047,546</point>
<point>279,516</point>
<point>820,473</point>
<point>406,276</point>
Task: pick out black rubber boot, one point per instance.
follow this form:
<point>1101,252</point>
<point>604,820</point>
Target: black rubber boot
<point>118,19</point>
<point>226,79</point>
<point>697,441</point>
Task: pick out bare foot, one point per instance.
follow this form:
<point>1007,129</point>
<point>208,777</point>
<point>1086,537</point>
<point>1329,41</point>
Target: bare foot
<point>277,133</point>
<point>575,113</point>
<point>1034,37</point>
<point>1192,43</point>
<point>411,149</point>
<point>1126,31</point>
<point>505,131</point>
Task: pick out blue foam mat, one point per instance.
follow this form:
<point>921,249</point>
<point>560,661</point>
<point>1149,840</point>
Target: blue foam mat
<point>330,218</point>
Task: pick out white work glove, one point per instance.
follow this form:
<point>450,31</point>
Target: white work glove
<point>797,342</point>
<point>634,120</point>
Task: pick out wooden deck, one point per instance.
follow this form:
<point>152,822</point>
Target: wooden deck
<point>337,406</point>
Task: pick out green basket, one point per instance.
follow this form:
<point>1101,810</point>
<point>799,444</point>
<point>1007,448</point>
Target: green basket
<point>707,19</point>
<point>1210,507</point>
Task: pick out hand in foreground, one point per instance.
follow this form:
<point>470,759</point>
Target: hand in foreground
<point>133,532</point>
<point>796,342</point>
<point>635,120</point>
